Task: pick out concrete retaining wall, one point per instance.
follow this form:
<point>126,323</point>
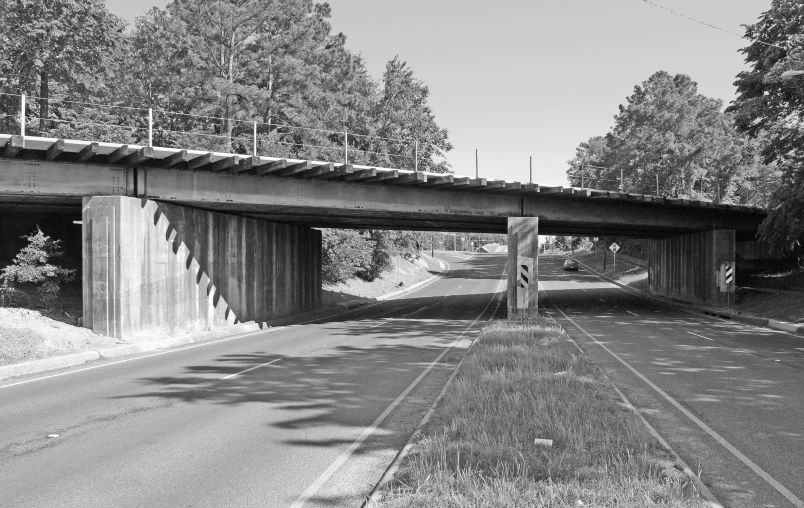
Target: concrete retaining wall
<point>158,268</point>
<point>686,267</point>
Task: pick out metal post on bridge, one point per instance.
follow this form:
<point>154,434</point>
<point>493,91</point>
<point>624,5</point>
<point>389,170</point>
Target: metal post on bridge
<point>150,127</point>
<point>477,166</point>
<point>345,147</point>
<point>255,138</point>
<point>416,155</point>
<point>531,169</point>
<point>22,115</point>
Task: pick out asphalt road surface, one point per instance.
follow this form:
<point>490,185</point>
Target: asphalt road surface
<point>307,415</point>
<point>729,398</point>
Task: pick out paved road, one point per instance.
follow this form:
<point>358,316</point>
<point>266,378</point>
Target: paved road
<point>728,395</point>
<point>305,415</point>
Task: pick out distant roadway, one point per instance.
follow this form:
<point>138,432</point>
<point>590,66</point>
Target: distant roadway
<point>307,415</point>
<point>728,395</point>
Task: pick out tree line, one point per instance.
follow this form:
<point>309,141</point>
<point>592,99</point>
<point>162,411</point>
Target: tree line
<point>671,140</point>
<point>209,69</point>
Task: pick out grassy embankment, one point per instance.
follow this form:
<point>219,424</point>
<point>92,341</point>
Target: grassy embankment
<point>519,383</point>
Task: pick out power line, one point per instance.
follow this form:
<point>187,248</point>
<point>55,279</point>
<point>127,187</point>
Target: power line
<point>707,24</point>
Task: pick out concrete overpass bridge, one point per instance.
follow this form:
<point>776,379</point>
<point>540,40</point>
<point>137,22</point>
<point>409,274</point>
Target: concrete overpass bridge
<point>169,233</point>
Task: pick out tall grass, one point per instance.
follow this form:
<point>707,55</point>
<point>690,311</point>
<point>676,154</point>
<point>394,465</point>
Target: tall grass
<point>525,381</point>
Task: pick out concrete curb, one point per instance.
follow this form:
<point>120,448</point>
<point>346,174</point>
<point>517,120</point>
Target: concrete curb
<point>773,324</point>
<point>60,362</point>
<point>411,288</point>
<point>55,362</point>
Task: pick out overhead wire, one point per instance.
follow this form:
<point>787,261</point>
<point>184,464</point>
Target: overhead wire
<point>708,24</point>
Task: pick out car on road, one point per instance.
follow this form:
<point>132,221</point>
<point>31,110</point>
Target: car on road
<point>570,265</point>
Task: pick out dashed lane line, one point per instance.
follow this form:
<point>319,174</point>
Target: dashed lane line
<point>368,431</point>
<point>633,314</point>
<point>701,336</point>
<point>225,339</point>
<point>781,489</point>
<point>230,376</point>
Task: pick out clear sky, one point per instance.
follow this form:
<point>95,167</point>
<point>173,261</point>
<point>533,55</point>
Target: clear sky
<point>520,78</point>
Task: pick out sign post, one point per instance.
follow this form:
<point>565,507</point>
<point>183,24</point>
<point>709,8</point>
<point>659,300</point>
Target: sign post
<point>726,281</point>
<point>614,248</point>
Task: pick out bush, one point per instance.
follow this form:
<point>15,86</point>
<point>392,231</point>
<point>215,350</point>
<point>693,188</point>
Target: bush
<point>32,265</point>
<point>344,253</point>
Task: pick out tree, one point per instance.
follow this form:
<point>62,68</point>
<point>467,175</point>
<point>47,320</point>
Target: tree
<point>771,110</point>
<point>62,42</point>
<point>344,253</point>
<point>405,119</point>
<point>669,140</point>
<point>32,265</point>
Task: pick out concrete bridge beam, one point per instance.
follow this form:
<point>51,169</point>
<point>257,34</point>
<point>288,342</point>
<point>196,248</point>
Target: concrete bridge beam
<point>152,267</point>
<point>523,267</point>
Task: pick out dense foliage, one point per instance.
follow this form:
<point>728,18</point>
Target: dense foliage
<point>209,69</point>
<point>670,140</point>
<point>34,266</point>
<point>771,109</point>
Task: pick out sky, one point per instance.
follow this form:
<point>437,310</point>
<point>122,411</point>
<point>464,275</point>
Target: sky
<point>515,79</point>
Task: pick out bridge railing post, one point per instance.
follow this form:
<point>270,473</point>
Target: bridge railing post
<point>345,147</point>
<point>150,127</point>
<point>255,138</point>
<point>22,115</point>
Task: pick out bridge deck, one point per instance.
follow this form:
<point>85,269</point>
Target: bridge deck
<point>55,173</point>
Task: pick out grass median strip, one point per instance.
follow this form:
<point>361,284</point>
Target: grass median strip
<point>530,421</point>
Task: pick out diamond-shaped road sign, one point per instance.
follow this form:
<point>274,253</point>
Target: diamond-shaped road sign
<point>614,247</point>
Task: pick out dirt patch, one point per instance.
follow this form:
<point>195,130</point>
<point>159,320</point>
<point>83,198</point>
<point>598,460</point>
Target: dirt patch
<point>25,334</point>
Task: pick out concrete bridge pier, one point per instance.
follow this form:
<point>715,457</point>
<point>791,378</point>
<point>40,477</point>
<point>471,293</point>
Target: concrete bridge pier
<point>154,268</point>
<point>523,267</point>
<point>690,268</point>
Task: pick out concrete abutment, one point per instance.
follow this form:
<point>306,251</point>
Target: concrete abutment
<point>160,268</point>
<point>688,267</point>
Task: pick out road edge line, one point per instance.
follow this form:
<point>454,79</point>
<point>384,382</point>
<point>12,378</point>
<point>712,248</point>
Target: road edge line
<point>781,489</point>
<point>368,431</point>
<point>393,467</point>
<point>717,316</point>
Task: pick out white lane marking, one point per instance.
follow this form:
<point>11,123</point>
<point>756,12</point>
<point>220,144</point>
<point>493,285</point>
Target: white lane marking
<point>602,300</point>
<point>235,337</point>
<point>628,311</point>
<point>141,357</point>
<point>368,431</point>
<point>706,428</point>
<point>701,336</point>
<point>230,376</point>
<point>723,321</point>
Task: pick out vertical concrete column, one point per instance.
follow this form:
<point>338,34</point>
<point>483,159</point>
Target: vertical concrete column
<point>523,267</point>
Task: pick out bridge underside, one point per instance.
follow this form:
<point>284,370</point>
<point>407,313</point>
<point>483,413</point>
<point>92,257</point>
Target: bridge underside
<point>202,222</point>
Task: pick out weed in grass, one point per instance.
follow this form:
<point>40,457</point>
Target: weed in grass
<point>521,381</point>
